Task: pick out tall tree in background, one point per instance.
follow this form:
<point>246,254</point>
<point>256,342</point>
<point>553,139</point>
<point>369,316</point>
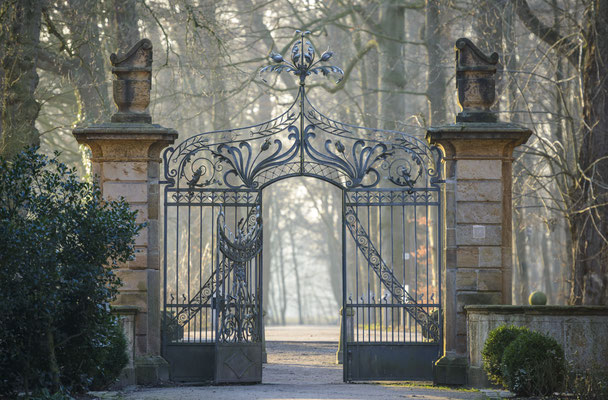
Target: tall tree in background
<point>19,38</point>
<point>588,200</point>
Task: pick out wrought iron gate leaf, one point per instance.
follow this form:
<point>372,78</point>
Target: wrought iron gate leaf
<point>203,296</point>
<point>364,243</point>
<point>238,307</point>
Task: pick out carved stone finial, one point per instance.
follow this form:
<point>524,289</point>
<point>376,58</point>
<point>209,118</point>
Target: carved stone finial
<point>475,81</point>
<point>132,83</point>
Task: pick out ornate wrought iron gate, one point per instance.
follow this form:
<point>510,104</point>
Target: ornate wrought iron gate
<point>391,235</point>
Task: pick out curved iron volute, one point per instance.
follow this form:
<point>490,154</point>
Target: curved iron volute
<point>475,81</point>
<point>132,83</point>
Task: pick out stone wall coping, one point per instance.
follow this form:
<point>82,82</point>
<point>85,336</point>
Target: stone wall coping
<point>124,309</point>
<point>479,131</point>
<point>485,127</point>
<point>537,310</point>
<point>124,129</point>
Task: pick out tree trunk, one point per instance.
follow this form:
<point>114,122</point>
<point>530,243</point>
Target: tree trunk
<point>436,79</point>
<point>125,24</point>
<point>20,33</point>
<point>590,223</point>
<point>392,80</point>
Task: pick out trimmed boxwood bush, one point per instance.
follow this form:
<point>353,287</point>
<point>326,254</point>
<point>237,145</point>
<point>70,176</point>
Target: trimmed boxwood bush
<point>534,365</point>
<point>497,342</point>
<point>59,245</point>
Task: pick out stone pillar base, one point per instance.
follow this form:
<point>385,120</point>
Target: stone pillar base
<point>349,331</point>
<point>151,370</point>
<point>450,370</point>
<point>126,378</point>
<point>478,378</point>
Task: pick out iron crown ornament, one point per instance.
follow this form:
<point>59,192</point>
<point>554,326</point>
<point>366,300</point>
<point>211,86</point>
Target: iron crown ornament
<point>303,61</point>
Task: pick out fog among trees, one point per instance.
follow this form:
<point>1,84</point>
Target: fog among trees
<point>398,59</point>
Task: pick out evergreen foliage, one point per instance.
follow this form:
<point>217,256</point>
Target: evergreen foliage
<point>59,246</point>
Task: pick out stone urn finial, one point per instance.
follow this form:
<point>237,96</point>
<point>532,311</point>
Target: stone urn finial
<point>132,83</point>
<point>475,81</point>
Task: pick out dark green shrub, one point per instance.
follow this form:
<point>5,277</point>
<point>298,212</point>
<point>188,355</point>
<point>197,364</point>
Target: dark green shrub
<point>534,365</point>
<point>59,246</point>
<point>494,347</point>
<point>111,355</point>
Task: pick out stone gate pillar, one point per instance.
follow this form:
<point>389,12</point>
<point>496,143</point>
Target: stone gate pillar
<point>126,160</point>
<point>478,156</point>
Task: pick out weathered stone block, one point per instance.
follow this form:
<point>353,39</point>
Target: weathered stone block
<point>461,324</point>
<point>481,235</point>
<point>479,190</point>
<point>467,256</point>
<point>140,260</point>
<point>141,344</point>
<point>466,279</point>
<point>135,299</point>
<point>125,171</point>
<point>132,192</point>
<point>142,212</point>
<point>450,370</point>
<point>141,324</point>
<point>489,280</point>
<point>479,212</point>
<point>490,256</point>
<point>142,237</point>
<point>133,279</point>
<point>479,169</point>
<point>469,298</point>
<point>450,237</point>
<point>451,256</point>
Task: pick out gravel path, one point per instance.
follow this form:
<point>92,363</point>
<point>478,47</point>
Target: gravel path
<point>300,368</point>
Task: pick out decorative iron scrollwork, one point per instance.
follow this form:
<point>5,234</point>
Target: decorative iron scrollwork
<point>239,307</point>
<point>303,61</point>
<point>360,166</point>
<point>245,166</point>
<point>429,324</point>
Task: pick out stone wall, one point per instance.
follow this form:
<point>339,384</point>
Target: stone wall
<point>582,331</point>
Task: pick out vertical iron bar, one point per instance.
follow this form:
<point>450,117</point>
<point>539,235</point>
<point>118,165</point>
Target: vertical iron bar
<point>403,250</point>
<point>393,272</point>
<point>345,351</point>
<point>188,258</point>
<point>164,314</point>
<point>369,315</point>
<point>380,250</point>
<point>200,269</point>
<point>177,309</point>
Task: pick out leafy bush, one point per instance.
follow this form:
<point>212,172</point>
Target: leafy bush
<point>534,364</point>
<point>59,245</point>
<point>494,347</point>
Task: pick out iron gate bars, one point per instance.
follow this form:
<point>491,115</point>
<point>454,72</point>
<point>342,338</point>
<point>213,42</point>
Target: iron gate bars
<point>391,184</point>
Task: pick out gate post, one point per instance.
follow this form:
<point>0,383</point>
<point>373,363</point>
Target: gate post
<point>478,156</point>
<point>126,160</point>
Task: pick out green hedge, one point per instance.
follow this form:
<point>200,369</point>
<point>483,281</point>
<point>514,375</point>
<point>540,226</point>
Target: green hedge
<point>59,246</point>
<point>497,342</point>
<point>534,365</point>
<point>527,363</point>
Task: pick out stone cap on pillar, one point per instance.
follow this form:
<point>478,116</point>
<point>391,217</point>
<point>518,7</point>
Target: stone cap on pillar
<point>132,83</point>
<point>130,136</point>
<point>476,82</point>
<point>476,125</point>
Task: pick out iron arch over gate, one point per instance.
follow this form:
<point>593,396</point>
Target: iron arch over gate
<point>391,239</point>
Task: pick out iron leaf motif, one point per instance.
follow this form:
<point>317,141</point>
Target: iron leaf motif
<point>303,61</point>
